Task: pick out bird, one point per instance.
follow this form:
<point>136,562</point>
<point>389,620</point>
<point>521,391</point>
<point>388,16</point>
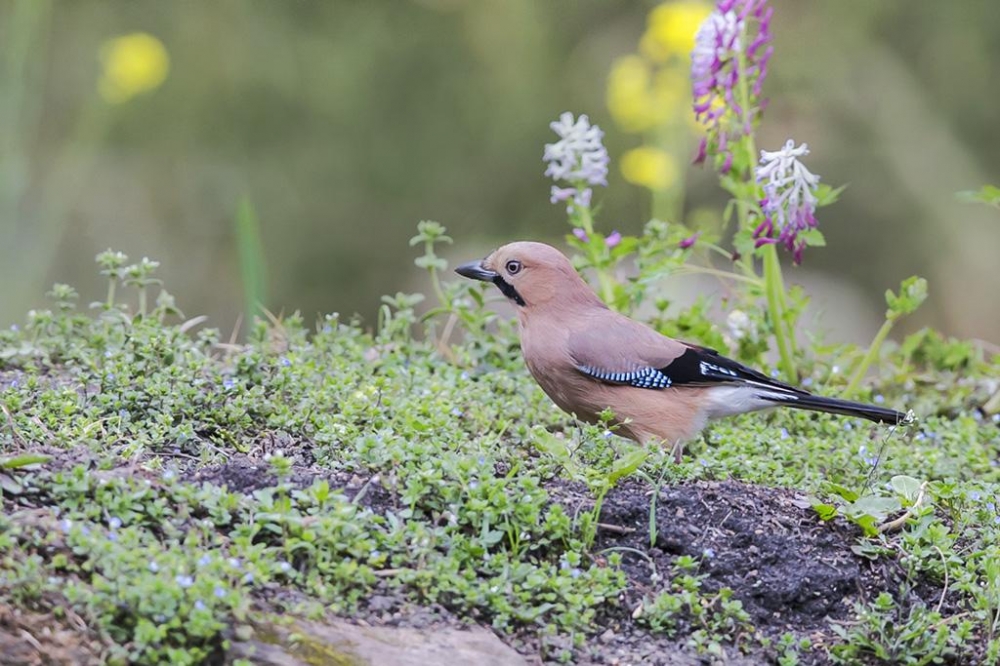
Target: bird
<point>588,358</point>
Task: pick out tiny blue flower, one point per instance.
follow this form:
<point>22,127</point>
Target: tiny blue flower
<point>199,605</point>
<point>66,525</point>
<point>168,474</point>
<point>464,376</point>
<point>228,383</point>
<point>286,567</point>
<point>204,560</point>
<point>704,463</point>
<point>879,399</point>
<point>115,522</point>
<point>219,592</point>
<point>784,433</point>
<point>184,581</point>
<point>975,496</point>
<point>248,578</point>
<point>990,506</point>
<point>481,460</point>
<point>235,563</point>
<point>575,572</point>
<point>153,566</point>
<point>708,553</point>
<point>284,361</point>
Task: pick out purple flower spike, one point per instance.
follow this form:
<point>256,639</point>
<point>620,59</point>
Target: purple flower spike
<point>613,240</point>
<point>731,46</point>
<point>581,235</point>
<point>789,203</point>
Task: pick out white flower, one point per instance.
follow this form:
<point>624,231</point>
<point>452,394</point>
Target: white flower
<point>789,203</point>
<point>579,154</point>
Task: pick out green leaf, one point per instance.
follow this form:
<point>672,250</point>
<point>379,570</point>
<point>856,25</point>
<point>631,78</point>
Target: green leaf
<point>24,460</point>
<point>907,486</point>
<point>628,463</point>
<point>825,511</point>
<point>548,443</point>
<point>826,195</point>
<point>867,523</point>
<point>912,294</point>
<point>877,507</point>
<point>813,238</point>
<point>987,194</point>
<point>843,491</point>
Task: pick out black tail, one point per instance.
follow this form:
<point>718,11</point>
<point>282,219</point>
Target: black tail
<point>835,406</point>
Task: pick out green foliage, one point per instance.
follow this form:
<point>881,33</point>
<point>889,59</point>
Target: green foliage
<point>987,194</point>
<point>886,634</point>
<point>912,294</point>
<point>453,432</point>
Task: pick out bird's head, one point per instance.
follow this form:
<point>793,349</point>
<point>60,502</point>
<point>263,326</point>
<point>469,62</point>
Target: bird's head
<point>530,275</point>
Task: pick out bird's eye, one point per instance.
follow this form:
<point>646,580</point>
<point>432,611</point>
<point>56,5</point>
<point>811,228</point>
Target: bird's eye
<point>513,267</point>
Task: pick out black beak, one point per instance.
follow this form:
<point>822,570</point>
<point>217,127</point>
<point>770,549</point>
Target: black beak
<point>474,271</point>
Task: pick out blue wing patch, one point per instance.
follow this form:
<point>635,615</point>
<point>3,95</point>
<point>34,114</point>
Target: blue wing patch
<point>647,378</point>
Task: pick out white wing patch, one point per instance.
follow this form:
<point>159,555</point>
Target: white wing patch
<point>647,378</point>
<point>706,368</point>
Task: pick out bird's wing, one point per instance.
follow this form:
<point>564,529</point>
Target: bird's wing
<point>616,350</point>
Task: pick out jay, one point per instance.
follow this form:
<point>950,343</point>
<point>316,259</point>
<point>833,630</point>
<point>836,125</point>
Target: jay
<point>588,358</point>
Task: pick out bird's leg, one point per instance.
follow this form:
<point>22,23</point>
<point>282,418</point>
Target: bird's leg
<point>678,451</point>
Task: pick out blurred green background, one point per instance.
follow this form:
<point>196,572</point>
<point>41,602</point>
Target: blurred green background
<point>344,123</point>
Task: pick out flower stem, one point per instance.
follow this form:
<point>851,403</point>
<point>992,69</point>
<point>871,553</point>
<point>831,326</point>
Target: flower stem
<point>604,279</point>
<point>870,356</point>
<point>774,287</point>
<point>774,283</point>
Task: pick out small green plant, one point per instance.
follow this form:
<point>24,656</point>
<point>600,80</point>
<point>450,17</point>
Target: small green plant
<point>600,479</point>
<point>912,294</point>
<point>684,603</point>
<point>886,633</point>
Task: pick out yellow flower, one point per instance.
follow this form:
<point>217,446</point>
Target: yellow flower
<point>671,28</point>
<point>133,64</point>
<point>629,100</point>
<point>649,167</point>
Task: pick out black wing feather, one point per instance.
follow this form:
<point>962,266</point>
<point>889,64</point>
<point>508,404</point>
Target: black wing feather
<point>701,365</point>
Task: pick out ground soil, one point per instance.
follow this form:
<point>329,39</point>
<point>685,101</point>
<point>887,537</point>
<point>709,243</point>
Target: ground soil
<point>791,571</point>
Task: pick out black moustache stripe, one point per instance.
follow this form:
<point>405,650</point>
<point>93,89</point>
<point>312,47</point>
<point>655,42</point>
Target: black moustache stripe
<point>507,289</point>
